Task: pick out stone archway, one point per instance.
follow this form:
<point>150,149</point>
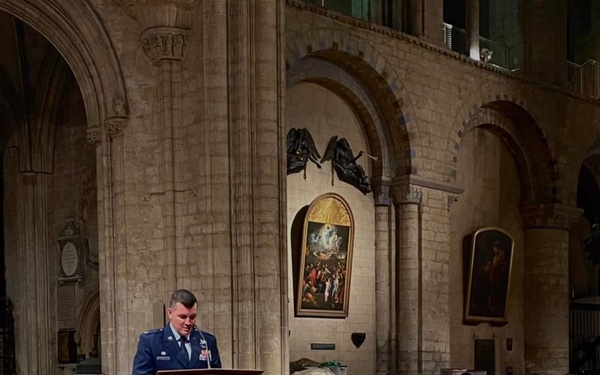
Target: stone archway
<point>78,34</point>
<point>88,323</point>
<point>523,137</point>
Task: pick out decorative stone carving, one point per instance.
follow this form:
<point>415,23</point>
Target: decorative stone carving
<point>120,107</point>
<point>550,216</point>
<point>407,194</point>
<point>164,43</point>
<point>381,195</point>
<point>115,125</point>
<point>94,135</point>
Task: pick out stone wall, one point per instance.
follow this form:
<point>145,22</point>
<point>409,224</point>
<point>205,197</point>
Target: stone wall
<point>325,115</point>
<point>488,174</point>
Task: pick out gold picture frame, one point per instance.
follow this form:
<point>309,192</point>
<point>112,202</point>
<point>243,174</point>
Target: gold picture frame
<point>326,258</point>
<point>489,273</point>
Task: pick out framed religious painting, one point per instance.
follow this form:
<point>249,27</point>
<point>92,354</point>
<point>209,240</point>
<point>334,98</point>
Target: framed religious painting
<point>326,258</point>
<point>489,270</point>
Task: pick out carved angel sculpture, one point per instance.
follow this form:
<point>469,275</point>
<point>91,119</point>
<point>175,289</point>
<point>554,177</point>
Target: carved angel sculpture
<point>344,163</point>
<point>300,149</point>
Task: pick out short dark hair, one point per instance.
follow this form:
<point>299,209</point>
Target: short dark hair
<point>183,296</point>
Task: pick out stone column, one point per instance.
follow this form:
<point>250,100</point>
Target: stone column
<point>384,260</point>
<point>165,46</point>
<point>117,336</point>
<point>33,330</point>
<point>423,319</point>
<point>398,8</point>
<point>547,293</point>
<point>545,42</point>
<point>426,20</point>
<point>408,283</point>
<point>258,198</point>
<point>473,29</point>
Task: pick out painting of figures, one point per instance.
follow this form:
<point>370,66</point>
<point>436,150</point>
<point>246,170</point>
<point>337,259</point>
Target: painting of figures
<point>326,259</point>
<point>489,276</point>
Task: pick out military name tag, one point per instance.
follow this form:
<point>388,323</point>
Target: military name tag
<point>163,358</point>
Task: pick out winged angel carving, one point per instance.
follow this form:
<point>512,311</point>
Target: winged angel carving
<point>300,149</point>
<point>345,165</point>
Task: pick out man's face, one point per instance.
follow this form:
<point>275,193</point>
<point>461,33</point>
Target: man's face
<point>182,318</point>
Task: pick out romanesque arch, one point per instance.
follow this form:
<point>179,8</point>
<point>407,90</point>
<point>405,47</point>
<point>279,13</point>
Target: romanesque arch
<point>364,79</point>
<point>523,136</point>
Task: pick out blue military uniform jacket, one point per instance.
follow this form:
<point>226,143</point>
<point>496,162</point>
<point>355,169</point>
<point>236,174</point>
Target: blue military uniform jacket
<point>159,350</point>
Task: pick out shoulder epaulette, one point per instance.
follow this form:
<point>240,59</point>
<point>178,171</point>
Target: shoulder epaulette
<point>153,331</point>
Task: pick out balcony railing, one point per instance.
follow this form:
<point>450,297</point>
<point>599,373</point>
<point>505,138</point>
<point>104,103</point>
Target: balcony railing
<point>584,79</point>
<point>490,51</point>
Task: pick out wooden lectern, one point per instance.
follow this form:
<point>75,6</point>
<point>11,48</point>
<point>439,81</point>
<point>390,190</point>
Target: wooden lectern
<point>210,371</point>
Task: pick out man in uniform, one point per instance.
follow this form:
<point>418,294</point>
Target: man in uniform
<point>179,345</point>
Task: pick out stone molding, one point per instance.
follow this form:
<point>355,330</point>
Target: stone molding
<point>115,126</point>
<point>159,12</point>
<point>432,184</point>
<point>164,43</point>
<point>550,216</point>
<point>409,189</point>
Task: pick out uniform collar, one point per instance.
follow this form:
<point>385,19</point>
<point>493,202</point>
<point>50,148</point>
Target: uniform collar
<point>177,335</point>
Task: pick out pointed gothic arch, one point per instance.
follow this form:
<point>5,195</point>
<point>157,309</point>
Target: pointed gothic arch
<point>78,34</point>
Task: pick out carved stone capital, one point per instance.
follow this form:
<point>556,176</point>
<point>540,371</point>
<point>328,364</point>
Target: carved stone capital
<point>550,216</point>
<point>94,135</point>
<point>115,125</point>
<point>164,43</point>
<point>381,192</point>
<point>407,195</point>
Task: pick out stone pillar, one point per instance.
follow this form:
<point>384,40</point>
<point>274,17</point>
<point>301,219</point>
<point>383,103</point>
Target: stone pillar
<point>258,198</point>
<point>545,40</point>
<point>384,260</point>
<point>426,20</point>
<point>423,318</point>
<point>547,293</point>
<point>473,29</point>
<point>165,46</point>
<point>118,340</point>
<point>408,334</point>
<point>33,331</point>
<point>399,16</point>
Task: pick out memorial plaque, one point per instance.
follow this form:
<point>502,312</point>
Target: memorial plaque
<point>65,300</point>
<point>69,259</point>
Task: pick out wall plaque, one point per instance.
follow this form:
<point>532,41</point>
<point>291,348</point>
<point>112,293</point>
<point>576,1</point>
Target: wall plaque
<point>72,249</point>
<point>65,301</point>
<point>69,259</point>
